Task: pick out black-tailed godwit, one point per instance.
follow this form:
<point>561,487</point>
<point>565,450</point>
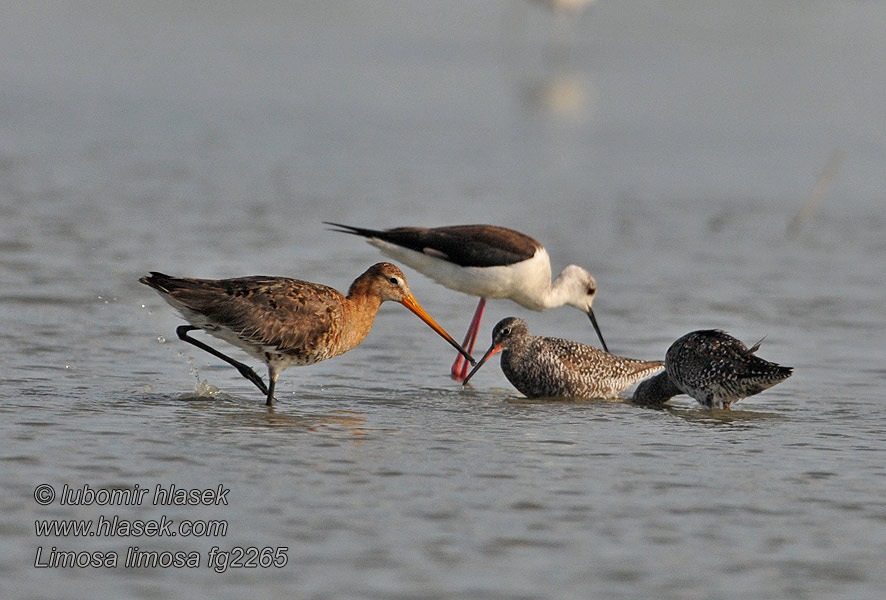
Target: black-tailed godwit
<point>286,322</point>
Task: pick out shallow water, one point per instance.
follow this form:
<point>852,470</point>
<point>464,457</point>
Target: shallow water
<point>665,148</point>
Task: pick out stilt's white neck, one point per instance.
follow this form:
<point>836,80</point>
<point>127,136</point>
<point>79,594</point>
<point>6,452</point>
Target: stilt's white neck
<point>574,286</point>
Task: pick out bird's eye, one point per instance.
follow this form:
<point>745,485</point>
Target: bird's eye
<point>394,281</point>
<point>506,331</point>
<point>591,290</point>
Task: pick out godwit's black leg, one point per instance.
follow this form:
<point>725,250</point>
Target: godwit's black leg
<point>272,378</point>
<point>245,370</point>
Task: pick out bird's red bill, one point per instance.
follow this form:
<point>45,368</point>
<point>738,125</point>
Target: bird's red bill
<point>492,350</point>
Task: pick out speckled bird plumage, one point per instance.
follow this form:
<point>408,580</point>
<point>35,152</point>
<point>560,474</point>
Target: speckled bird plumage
<point>542,367</point>
<point>713,367</point>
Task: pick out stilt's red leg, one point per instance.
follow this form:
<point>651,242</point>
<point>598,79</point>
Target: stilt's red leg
<point>460,366</point>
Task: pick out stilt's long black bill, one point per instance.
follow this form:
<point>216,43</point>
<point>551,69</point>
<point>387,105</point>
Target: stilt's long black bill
<point>597,328</point>
<point>492,350</point>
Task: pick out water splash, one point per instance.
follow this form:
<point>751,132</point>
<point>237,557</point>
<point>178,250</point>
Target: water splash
<point>204,389</point>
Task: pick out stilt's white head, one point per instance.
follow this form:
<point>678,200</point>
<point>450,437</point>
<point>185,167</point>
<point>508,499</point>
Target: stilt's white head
<point>578,288</point>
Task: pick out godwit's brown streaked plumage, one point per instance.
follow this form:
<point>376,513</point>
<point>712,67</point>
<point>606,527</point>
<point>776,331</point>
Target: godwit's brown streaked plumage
<point>547,367</point>
<point>486,261</point>
<point>714,368</point>
<point>285,322</point>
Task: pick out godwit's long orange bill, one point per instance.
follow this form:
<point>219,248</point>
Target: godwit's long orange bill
<point>411,303</point>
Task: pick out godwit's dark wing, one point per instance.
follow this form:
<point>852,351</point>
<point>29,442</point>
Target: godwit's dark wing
<point>463,245</point>
<point>298,319</point>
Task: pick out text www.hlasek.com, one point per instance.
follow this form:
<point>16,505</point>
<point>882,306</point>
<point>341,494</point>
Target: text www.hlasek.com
<point>113,526</point>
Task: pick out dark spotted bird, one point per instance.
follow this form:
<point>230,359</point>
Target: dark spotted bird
<point>544,367</point>
<point>489,262</point>
<point>285,322</point>
<point>714,368</point>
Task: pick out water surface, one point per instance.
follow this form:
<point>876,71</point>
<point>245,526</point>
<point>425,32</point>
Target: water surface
<point>666,148</point>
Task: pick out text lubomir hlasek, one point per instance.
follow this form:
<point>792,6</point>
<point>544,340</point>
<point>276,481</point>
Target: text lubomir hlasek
<point>135,496</point>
